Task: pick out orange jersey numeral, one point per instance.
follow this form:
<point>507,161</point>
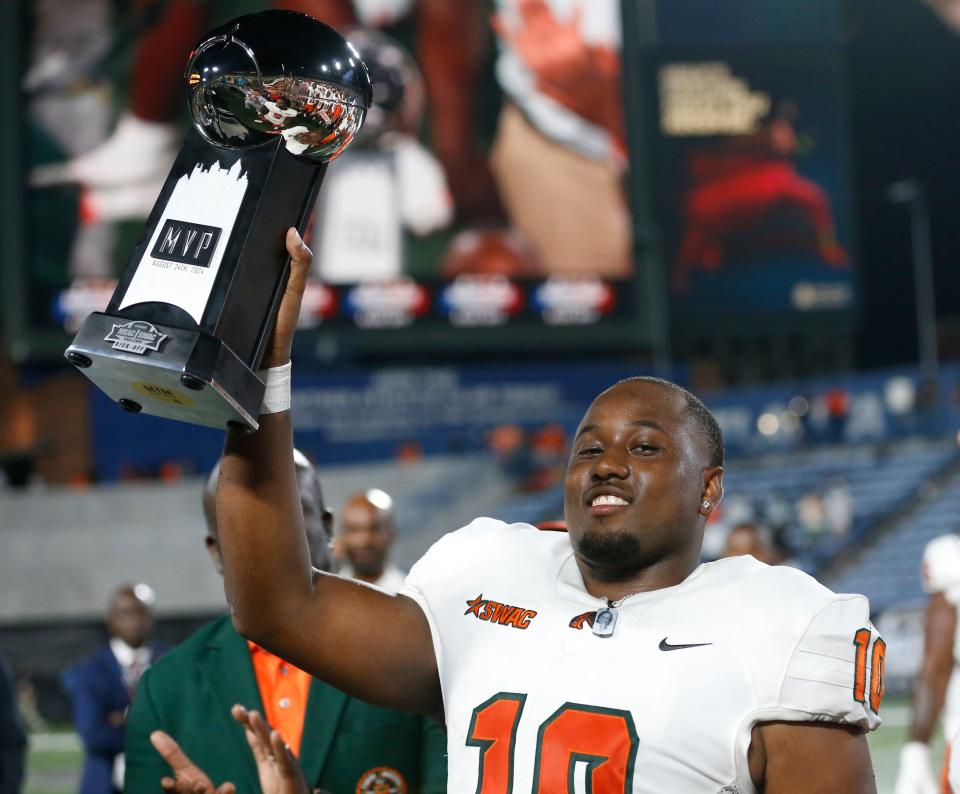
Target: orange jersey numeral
<point>604,739</point>
<point>862,642</point>
<point>493,729</point>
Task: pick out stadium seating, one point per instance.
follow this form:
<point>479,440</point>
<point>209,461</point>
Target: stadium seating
<point>888,570</point>
<point>880,479</point>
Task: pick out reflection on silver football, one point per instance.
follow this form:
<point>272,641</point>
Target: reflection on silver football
<point>278,73</point>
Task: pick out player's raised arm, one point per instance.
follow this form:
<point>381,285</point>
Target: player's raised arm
<point>370,645</point>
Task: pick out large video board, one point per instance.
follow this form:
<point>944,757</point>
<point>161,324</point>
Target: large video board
<point>467,217</point>
<point>750,179</point>
<point>492,212</point>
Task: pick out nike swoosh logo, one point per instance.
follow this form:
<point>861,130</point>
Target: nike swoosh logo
<point>666,646</point>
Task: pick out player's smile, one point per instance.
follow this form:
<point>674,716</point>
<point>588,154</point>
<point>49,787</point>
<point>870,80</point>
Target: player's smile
<point>603,500</point>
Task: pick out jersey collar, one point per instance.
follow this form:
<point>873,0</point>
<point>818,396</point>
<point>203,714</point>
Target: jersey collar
<point>570,587</point>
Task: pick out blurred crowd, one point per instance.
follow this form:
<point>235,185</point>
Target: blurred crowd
<point>819,518</point>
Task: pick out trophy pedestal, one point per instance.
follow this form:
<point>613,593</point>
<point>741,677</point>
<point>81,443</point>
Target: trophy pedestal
<point>189,321</point>
<point>190,375</point>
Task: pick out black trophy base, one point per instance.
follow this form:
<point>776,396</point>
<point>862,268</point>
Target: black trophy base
<point>188,375</point>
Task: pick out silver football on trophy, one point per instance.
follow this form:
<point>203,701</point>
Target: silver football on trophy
<point>278,73</point>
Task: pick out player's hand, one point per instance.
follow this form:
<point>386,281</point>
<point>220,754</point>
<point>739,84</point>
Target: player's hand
<point>915,775</point>
<point>278,348</point>
<point>277,768</point>
<point>187,778</point>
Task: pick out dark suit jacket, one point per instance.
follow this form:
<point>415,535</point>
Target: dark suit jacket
<point>189,693</point>
<point>96,688</point>
<point>13,740</point>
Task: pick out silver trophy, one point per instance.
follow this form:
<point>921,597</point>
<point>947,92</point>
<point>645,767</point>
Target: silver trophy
<point>274,96</point>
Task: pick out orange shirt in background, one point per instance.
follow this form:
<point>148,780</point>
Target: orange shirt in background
<point>283,691</point>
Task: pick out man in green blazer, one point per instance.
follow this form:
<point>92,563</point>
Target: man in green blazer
<point>347,746</point>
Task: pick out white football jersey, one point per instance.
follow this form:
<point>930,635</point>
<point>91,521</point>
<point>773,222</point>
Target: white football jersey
<point>941,574</point>
<point>277,115</point>
<point>941,567</point>
<point>536,702</point>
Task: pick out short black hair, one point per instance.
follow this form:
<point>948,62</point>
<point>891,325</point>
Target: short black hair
<point>695,407</point>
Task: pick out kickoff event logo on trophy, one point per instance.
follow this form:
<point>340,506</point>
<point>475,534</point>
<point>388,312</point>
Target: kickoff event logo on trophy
<point>274,96</point>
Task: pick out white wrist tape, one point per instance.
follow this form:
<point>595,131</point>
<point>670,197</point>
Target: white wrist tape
<point>276,396</point>
<point>916,772</point>
<point>916,755</point>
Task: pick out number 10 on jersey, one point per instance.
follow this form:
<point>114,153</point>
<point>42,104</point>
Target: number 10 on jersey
<point>877,656</point>
<point>604,739</point>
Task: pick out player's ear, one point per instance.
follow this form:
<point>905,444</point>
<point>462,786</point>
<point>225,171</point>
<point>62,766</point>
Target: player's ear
<point>712,491</point>
<point>328,522</point>
<point>213,549</point>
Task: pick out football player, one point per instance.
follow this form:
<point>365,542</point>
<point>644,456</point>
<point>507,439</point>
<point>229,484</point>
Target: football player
<point>937,687</point>
<point>605,658</point>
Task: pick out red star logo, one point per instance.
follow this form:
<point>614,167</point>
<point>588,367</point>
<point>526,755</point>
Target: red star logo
<point>474,605</point>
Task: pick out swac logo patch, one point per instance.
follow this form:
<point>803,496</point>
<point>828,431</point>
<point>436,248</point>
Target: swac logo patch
<point>495,612</point>
<point>381,780</point>
<point>586,618</point>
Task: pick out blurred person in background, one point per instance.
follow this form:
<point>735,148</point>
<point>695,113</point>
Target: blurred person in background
<point>510,446</point>
<point>548,450</point>
<point>936,689</point>
<point>387,183</point>
<point>837,401</point>
<point>838,508</point>
<point>560,150</point>
<point>753,539</point>
<point>27,703</point>
<point>13,738</point>
<point>812,517</point>
<point>342,744</point>
<point>777,512</point>
<point>102,686</point>
<point>367,533</point>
